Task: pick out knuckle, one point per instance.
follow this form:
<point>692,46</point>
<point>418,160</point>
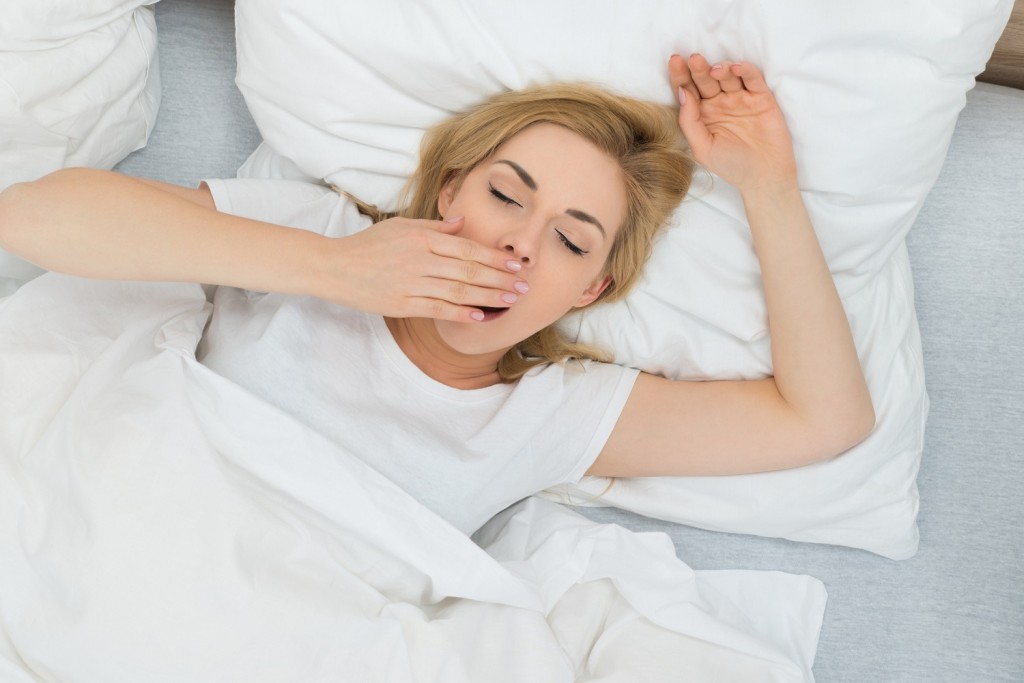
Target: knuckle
<point>471,270</point>
<point>458,291</point>
<point>437,309</point>
<point>467,250</point>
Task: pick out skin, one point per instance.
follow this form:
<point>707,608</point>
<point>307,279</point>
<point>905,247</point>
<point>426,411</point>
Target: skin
<point>93,223</point>
<point>817,404</point>
<point>430,279</point>
<point>531,224</point>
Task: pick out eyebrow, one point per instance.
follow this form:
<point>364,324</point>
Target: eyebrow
<point>532,184</point>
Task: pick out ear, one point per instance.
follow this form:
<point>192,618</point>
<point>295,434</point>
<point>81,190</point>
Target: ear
<point>445,197</point>
<point>595,289</point>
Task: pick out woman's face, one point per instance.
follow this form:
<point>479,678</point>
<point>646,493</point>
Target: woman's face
<point>552,200</point>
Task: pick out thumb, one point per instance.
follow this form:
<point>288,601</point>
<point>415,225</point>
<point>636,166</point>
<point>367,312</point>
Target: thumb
<point>691,123</point>
<point>450,225</point>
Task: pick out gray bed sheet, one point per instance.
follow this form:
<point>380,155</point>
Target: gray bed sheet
<point>954,612</point>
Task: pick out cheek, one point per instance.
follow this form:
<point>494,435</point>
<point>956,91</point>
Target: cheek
<point>481,220</point>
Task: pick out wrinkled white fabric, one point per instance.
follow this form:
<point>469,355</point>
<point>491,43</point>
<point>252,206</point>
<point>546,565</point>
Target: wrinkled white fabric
<point>79,86</point>
<point>160,523</point>
<point>465,454</point>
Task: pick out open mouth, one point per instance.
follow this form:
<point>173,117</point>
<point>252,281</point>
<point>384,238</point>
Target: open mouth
<point>492,313</point>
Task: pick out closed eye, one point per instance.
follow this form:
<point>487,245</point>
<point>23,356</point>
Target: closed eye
<point>570,246</point>
<point>505,199</point>
<point>502,197</point>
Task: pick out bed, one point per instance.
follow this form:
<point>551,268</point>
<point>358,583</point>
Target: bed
<point>923,585</point>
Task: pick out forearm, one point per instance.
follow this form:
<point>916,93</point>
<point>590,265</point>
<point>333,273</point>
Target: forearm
<point>202,196</point>
<point>816,367</point>
<point>100,224</point>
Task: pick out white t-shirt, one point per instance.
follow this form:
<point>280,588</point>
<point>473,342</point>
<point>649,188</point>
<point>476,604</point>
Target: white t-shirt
<point>466,454</point>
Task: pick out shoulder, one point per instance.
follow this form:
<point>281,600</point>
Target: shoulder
<point>292,203</point>
<point>575,394</point>
<point>582,374</point>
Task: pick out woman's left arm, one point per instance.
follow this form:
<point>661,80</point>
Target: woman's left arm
<point>817,403</point>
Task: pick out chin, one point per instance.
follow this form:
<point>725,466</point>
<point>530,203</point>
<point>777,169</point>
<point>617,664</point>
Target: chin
<point>472,339</point>
<point>477,339</point>
<point>499,331</point>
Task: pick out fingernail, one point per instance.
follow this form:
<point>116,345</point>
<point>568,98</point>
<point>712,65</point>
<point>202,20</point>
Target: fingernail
<point>514,266</point>
<point>509,297</point>
<point>477,315</point>
<point>716,66</point>
<point>682,96</point>
<point>454,219</point>
<point>521,287</point>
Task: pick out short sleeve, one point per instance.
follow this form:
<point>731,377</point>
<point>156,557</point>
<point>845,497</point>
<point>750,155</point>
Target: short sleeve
<point>574,407</point>
<point>291,203</point>
<point>607,401</point>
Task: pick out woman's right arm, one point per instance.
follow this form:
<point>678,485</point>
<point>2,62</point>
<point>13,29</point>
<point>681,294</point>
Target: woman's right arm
<point>101,224</point>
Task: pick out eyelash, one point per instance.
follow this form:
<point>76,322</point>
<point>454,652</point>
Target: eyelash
<point>565,240</point>
<point>572,247</point>
<point>500,196</point>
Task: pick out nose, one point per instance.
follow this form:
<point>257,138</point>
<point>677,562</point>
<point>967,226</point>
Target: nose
<point>524,259</point>
<point>523,242</point>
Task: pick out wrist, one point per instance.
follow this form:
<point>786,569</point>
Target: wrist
<point>310,270</point>
<point>281,259</point>
<point>774,191</point>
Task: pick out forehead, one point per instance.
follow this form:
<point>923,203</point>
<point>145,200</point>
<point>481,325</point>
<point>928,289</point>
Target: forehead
<point>549,143</point>
<point>568,169</point>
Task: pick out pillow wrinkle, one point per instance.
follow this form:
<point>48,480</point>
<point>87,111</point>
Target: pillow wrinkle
<point>99,98</point>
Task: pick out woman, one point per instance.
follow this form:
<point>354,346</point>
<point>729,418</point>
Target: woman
<point>453,391</point>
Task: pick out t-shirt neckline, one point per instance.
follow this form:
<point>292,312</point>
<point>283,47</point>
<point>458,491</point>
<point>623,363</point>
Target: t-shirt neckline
<point>421,379</point>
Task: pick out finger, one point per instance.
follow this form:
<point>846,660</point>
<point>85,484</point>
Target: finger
<point>475,274</point>
<point>700,71</point>
<point>679,77</point>
<point>679,74</point>
<point>462,294</point>
<point>696,132</point>
<point>727,80</point>
<point>467,274</point>
<point>439,309</point>
<point>689,106</point>
<point>453,246</point>
<point>449,225</point>
<point>751,76</point>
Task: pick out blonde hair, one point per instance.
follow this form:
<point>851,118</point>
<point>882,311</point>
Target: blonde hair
<point>642,137</point>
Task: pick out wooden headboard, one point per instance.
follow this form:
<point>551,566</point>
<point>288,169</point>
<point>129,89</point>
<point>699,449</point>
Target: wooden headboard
<point>1006,67</point>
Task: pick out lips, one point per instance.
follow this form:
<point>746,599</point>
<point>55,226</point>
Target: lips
<point>492,313</point>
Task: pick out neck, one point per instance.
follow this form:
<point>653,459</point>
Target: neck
<point>420,342</point>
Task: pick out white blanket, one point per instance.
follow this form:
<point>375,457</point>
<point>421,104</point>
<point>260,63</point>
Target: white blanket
<point>159,523</point>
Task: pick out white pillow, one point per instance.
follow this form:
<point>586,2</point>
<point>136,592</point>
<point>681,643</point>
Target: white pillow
<point>79,86</point>
<point>871,91</point>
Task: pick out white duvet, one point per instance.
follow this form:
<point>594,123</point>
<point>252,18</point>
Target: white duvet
<point>158,523</point>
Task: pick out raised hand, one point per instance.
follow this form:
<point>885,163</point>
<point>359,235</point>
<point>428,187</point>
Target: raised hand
<point>732,122</point>
<point>406,268</point>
